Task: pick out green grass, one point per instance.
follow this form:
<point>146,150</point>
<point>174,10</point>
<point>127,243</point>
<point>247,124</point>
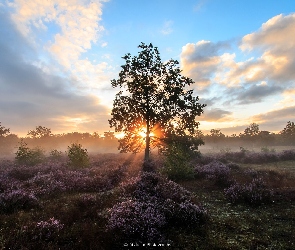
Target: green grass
<point>270,226</point>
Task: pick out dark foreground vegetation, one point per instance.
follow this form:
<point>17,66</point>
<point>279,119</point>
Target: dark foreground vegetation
<point>234,200</point>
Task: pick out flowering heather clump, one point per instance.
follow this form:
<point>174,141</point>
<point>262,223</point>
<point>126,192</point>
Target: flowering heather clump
<point>253,193</point>
<point>251,172</point>
<point>154,202</point>
<point>44,230</point>
<point>137,220</point>
<point>86,200</point>
<point>13,200</point>
<point>173,191</point>
<point>7,183</point>
<point>287,155</point>
<point>216,171</point>
<point>46,184</point>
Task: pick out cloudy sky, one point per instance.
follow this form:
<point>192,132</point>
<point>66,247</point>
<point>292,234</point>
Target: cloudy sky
<point>57,58</point>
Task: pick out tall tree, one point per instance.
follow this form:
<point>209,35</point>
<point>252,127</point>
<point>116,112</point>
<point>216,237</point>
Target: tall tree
<point>154,100</point>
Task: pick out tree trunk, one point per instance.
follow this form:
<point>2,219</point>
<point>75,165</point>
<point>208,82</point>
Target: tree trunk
<point>147,142</point>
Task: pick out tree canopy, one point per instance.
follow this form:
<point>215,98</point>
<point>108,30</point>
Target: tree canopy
<point>40,132</point>
<point>4,131</point>
<point>153,100</point>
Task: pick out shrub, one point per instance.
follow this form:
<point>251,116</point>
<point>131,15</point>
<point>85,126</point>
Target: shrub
<point>44,230</point>
<point>78,156</point>
<point>11,201</point>
<point>216,171</point>
<point>161,202</point>
<point>253,193</point>
<point>177,163</point>
<point>27,156</point>
<point>267,150</point>
<point>287,155</point>
<point>137,220</point>
<point>55,155</point>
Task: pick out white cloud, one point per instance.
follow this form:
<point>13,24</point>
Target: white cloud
<point>200,60</point>
<point>79,23</point>
<point>167,27</point>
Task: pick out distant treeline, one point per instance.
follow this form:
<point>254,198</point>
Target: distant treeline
<point>42,137</point>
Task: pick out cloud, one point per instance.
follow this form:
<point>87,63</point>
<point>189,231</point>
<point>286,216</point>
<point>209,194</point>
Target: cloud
<point>30,96</point>
<point>200,60</point>
<point>277,48</point>
<point>252,93</point>
<point>275,120</point>
<point>279,114</point>
<point>167,28</point>
<point>268,71</point>
<point>200,4</point>
<point>79,27</point>
<point>216,114</point>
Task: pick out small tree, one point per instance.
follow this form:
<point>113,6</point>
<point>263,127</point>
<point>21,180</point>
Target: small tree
<point>154,101</point>
<point>78,156</point>
<point>27,156</point>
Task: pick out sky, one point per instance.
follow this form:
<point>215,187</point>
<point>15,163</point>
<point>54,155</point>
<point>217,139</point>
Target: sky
<point>57,59</point>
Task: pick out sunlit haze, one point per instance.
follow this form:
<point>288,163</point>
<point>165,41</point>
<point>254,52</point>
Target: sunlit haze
<point>58,57</point>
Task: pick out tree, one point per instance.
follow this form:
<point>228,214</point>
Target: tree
<point>252,130</point>
<point>154,101</point>
<point>288,132</point>
<point>4,131</point>
<point>40,132</point>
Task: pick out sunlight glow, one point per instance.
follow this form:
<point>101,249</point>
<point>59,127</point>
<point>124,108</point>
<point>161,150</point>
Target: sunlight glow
<point>142,133</point>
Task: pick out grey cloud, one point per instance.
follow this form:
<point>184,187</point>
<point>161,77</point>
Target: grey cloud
<point>203,51</point>
<point>285,114</point>
<point>215,114</point>
<point>249,95</point>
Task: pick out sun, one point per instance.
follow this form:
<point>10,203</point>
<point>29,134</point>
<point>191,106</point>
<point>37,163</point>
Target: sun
<point>142,133</point>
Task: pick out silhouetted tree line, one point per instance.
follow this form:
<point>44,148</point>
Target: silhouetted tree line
<point>44,138</point>
<point>253,136</point>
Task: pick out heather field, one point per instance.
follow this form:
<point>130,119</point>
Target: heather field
<point>226,200</point>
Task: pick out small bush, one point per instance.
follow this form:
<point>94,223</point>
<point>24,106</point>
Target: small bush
<point>27,156</point>
<point>267,150</point>
<point>137,220</point>
<point>55,155</point>
<point>78,156</point>
<point>216,171</point>
<point>253,193</point>
<point>14,200</point>
<point>44,230</point>
<point>177,163</point>
<point>161,202</point>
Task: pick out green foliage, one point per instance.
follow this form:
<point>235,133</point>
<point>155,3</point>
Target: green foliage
<point>55,154</point>
<point>40,132</point>
<point>289,130</point>
<point>267,150</point>
<point>252,130</point>
<point>27,156</point>
<point>4,131</point>
<point>78,156</point>
<point>157,101</point>
<point>177,161</point>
